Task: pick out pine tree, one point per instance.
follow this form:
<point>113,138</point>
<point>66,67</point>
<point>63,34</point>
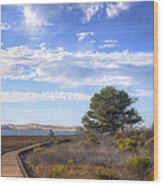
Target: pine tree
<point>110,110</point>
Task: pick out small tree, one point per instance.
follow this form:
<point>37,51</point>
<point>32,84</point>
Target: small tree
<point>51,134</point>
<point>110,110</point>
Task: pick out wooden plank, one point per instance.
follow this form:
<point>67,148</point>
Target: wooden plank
<point>155,90</point>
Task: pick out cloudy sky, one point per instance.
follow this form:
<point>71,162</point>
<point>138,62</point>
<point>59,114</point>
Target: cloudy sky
<point>56,56</point>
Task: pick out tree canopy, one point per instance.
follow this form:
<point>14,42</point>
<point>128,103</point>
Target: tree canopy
<point>110,110</point>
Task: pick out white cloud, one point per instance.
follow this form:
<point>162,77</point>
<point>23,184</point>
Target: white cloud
<point>36,16</point>
<point>89,10</point>
<point>110,80</point>
<point>93,41</point>
<point>142,93</point>
<point>33,38</point>
<point>114,9</point>
<point>42,45</point>
<point>5,26</point>
<point>70,68</point>
<point>16,96</point>
<point>83,35</point>
<point>108,44</point>
<point>110,41</point>
<point>33,18</point>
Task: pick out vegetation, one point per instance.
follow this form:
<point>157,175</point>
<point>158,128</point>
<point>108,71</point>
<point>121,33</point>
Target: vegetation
<point>108,175</point>
<point>51,135</point>
<point>110,110</point>
<point>56,142</point>
<point>78,158</point>
<point>131,143</point>
<point>9,142</point>
<point>141,166</point>
<point>38,150</point>
<point>89,140</point>
<point>69,162</point>
<point>116,150</point>
<point>58,171</point>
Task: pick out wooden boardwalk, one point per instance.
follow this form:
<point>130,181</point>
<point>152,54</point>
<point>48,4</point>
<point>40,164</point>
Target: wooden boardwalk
<point>10,166</point>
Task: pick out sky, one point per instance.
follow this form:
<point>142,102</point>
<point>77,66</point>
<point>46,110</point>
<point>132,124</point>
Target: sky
<point>55,57</point>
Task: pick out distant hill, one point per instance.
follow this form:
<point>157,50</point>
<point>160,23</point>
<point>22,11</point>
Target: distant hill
<point>33,126</point>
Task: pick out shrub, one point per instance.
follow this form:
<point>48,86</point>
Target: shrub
<point>142,135</point>
<point>70,162</point>
<point>120,141</point>
<point>140,165</point>
<point>140,143</point>
<point>127,145</point>
<point>150,142</point>
<point>108,175</point>
<point>56,142</point>
<point>58,171</point>
<point>131,142</point>
<point>89,140</point>
<point>118,136</point>
<point>38,150</point>
<point>150,176</point>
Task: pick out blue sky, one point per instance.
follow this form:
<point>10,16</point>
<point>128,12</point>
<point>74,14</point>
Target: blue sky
<point>56,56</point>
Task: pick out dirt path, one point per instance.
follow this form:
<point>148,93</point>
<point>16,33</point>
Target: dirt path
<point>9,163</point>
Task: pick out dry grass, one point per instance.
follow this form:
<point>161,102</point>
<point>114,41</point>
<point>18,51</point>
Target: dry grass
<point>70,172</point>
<point>8,142</point>
<point>86,162</point>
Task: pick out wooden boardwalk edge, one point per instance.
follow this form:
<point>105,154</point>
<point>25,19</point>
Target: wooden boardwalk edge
<point>25,174</point>
<point>24,171</point>
<point>20,161</point>
<point>17,155</point>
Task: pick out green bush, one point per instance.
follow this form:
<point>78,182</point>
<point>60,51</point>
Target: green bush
<point>118,135</point>
<point>131,142</point>
<point>58,171</point>
<point>150,142</point>
<point>134,142</point>
<point>38,150</point>
<point>121,141</point>
<point>89,140</point>
<point>125,147</point>
<point>142,135</point>
<point>108,175</point>
<point>56,142</point>
<point>128,144</point>
<point>140,165</point>
<point>140,143</point>
<point>70,162</point>
<point>150,176</point>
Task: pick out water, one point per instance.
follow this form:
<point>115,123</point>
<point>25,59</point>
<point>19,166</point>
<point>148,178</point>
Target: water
<point>9,132</point>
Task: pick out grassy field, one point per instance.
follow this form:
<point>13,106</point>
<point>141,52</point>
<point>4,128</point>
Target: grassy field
<point>127,156</point>
<point>9,142</point>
